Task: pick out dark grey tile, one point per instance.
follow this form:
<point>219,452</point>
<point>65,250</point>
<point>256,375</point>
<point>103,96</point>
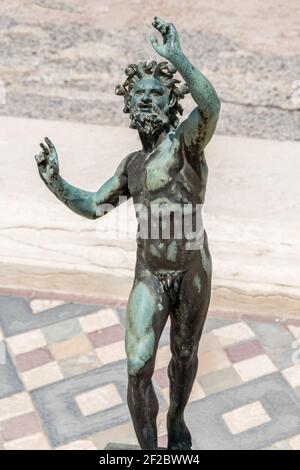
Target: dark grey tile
<point>209,431</point>
<point>16,316</point>
<point>272,335</point>
<point>116,446</point>
<point>10,382</point>
<point>281,357</point>
<point>211,323</point>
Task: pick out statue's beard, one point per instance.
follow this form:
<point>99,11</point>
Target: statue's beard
<point>149,122</point>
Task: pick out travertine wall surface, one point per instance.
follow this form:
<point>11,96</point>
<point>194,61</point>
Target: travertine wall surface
<point>62,59</point>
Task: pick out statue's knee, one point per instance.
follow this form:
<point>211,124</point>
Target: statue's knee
<point>185,353</point>
<point>135,366</point>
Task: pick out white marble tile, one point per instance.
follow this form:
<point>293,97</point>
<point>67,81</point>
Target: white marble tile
<point>98,399</point>
<point>234,333</point>
<point>15,405</point>
<point>246,417</point>
<point>292,375</point>
<point>41,376</point>
<point>112,352</point>
<point>255,367</point>
<point>34,442</point>
<point>39,305</point>
<point>99,320</point>
<point>26,342</point>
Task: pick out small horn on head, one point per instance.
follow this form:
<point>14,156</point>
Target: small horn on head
<point>159,67</point>
<point>142,65</point>
<point>150,66</point>
<point>120,90</point>
<point>132,69</point>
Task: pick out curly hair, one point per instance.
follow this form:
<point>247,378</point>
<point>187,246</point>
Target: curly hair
<point>161,71</point>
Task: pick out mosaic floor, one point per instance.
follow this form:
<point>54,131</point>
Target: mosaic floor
<point>63,380</point>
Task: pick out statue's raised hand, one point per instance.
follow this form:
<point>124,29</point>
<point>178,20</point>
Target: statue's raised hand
<point>170,47</point>
<point>47,161</point>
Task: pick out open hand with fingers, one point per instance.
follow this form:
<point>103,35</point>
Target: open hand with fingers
<point>170,48</point>
<point>47,161</point>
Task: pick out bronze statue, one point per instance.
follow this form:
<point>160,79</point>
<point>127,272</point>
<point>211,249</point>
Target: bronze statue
<point>170,278</point>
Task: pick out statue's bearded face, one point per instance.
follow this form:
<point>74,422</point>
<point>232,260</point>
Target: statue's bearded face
<point>149,106</point>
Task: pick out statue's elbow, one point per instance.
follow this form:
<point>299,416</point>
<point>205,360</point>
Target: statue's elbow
<point>94,213</point>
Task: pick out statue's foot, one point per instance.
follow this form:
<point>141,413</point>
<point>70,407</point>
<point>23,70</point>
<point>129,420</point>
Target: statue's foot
<point>179,437</point>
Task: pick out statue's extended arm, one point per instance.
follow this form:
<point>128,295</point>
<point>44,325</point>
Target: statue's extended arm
<point>199,127</point>
<point>85,203</point>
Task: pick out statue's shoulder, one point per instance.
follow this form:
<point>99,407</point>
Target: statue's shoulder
<point>130,159</point>
<point>124,163</point>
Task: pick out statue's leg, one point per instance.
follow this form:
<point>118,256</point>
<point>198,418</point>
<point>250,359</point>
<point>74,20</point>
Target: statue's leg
<point>147,312</point>
<point>187,321</point>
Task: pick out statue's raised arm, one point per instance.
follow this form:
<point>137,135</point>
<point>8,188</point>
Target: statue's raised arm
<point>198,128</point>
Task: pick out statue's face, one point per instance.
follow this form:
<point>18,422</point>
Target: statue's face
<point>149,92</point>
<point>149,105</point>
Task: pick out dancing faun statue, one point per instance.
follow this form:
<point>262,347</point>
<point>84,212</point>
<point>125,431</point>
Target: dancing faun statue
<point>173,272</point>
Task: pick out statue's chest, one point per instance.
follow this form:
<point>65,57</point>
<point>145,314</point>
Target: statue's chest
<point>154,172</point>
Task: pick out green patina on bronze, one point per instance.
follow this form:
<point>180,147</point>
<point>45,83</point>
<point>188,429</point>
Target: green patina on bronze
<point>154,251</point>
<point>170,279</point>
<point>197,282</point>
<point>140,336</point>
<point>159,170</point>
<point>172,251</point>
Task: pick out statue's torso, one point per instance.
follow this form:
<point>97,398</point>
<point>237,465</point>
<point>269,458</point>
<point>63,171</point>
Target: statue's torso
<point>171,180</point>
